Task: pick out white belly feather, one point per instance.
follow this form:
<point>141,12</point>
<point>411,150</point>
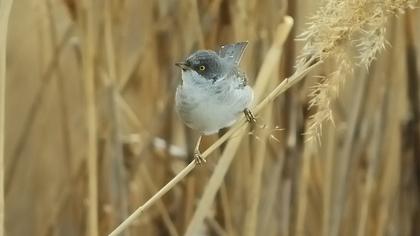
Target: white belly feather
<point>208,106</point>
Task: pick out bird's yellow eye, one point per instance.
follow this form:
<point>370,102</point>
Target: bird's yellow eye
<point>202,68</point>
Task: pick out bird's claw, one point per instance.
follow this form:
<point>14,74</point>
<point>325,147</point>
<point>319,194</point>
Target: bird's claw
<point>199,160</point>
<point>249,116</point>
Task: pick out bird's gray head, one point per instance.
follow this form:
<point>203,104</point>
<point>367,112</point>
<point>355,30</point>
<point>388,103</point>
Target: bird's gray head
<point>211,65</point>
<point>206,63</point>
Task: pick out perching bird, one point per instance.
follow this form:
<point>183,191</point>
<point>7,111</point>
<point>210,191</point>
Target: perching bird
<point>214,92</point>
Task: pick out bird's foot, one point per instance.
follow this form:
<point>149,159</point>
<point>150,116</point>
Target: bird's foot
<point>249,116</point>
<point>199,160</point>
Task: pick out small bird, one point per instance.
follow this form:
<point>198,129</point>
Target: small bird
<point>214,92</point>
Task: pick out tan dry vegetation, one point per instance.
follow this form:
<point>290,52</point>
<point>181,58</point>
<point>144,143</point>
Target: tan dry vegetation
<point>91,133</point>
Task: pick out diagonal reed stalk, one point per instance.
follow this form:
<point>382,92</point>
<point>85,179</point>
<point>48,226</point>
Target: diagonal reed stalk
<point>299,74</point>
<point>5,8</point>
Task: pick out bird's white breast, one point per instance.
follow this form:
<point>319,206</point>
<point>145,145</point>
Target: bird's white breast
<point>207,105</point>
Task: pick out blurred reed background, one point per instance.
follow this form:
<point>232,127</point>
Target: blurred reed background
<point>91,133</point>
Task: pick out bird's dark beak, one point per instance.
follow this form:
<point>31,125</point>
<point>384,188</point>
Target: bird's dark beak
<point>184,66</point>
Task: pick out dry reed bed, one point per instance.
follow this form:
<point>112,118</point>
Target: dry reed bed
<point>91,133</point>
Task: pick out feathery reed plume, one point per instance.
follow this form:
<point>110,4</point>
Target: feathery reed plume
<point>336,27</point>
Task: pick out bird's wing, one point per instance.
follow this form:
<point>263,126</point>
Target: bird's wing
<point>233,52</point>
<point>239,76</point>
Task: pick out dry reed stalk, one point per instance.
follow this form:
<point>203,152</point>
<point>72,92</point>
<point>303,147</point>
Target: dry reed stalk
<point>371,173</point>
<point>64,109</point>
<point>88,59</point>
<point>342,168</point>
<point>302,200</point>
<point>196,18</point>
<point>5,8</point>
<point>328,181</point>
<point>412,127</point>
<point>390,177</point>
<point>190,191</point>
<point>227,211</point>
<point>216,227</point>
<point>64,192</point>
<point>272,199</point>
<point>300,73</point>
<point>254,188</point>
<point>286,208</point>
<point>116,175</point>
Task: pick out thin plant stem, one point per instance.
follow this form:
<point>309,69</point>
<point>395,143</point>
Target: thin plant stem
<point>89,79</point>
<point>117,176</point>
<point>5,8</point>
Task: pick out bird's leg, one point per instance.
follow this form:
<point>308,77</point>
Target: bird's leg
<point>249,116</point>
<point>199,160</point>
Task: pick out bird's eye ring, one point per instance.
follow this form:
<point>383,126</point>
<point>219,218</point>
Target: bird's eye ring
<point>202,68</point>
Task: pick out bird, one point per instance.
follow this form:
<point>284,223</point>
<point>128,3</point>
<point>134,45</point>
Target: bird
<point>214,92</point>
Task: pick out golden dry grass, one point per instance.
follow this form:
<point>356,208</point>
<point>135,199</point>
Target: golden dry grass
<point>91,133</point>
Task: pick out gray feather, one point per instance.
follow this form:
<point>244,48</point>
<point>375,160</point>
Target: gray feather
<point>233,52</point>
